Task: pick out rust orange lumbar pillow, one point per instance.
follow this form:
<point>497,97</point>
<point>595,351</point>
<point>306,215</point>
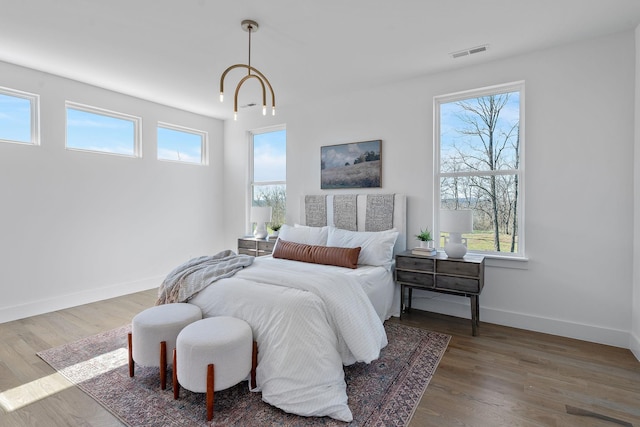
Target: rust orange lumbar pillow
<point>328,255</point>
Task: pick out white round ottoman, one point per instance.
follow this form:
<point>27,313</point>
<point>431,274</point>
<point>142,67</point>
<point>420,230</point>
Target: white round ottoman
<point>154,332</point>
<point>221,343</point>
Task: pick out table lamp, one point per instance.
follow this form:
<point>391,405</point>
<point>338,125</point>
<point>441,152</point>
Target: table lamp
<point>456,222</point>
<point>260,215</point>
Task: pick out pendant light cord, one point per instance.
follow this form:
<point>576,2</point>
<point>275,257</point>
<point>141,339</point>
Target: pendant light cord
<point>249,62</point>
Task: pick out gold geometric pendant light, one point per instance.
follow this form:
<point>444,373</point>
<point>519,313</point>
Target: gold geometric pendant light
<point>249,26</point>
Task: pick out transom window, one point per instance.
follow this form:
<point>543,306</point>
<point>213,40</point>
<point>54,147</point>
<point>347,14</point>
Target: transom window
<point>98,130</point>
<point>479,146</point>
<point>180,144</point>
<point>269,172</point>
<point>19,117</point>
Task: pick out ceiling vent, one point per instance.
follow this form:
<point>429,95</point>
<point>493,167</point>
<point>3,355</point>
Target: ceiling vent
<point>469,51</point>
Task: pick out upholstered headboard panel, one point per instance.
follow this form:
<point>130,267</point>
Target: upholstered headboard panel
<point>358,212</point>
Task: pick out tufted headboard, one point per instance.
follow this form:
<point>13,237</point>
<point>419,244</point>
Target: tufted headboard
<point>358,212</point>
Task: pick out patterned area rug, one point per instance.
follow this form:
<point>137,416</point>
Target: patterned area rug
<point>383,393</point>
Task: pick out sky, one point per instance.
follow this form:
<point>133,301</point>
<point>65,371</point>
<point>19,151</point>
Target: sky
<point>15,119</point>
<point>180,145</point>
<point>338,155</point>
<point>270,156</point>
<point>95,132</point>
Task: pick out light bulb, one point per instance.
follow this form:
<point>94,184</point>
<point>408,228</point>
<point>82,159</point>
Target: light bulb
<point>235,115</point>
<point>221,97</point>
<point>264,110</point>
<point>273,111</point>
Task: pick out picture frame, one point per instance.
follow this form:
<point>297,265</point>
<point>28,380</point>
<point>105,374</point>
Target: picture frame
<point>351,165</point>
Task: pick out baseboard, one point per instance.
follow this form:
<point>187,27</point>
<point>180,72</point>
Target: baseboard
<point>634,346</point>
<point>60,302</point>
<point>459,307</point>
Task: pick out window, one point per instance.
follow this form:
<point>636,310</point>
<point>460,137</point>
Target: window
<point>179,144</point>
<point>103,131</point>
<point>268,168</point>
<point>19,117</point>
<point>479,140</point>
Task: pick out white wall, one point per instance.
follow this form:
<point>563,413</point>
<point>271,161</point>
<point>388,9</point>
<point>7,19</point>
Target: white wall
<point>78,227</point>
<point>634,341</point>
<point>579,175</point>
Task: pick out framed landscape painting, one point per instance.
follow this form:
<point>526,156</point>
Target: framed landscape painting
<point>352,165</point>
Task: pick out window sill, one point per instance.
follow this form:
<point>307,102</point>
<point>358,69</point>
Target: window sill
<point>501,261</point>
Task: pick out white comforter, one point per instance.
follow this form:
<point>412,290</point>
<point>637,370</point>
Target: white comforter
<point>308,321</point>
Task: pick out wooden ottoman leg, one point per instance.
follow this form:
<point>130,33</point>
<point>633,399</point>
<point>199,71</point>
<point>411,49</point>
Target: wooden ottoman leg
<point>176,385</point>
<point>163,365</point>
<point>130,342</point>
<point>254,364</point>
<point>210,385</point>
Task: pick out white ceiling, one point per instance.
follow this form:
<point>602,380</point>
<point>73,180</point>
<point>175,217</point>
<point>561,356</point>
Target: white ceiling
<point>173,51</point>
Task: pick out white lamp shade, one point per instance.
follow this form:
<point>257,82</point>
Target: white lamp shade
<point>261,214</point>
<point>456,221</point>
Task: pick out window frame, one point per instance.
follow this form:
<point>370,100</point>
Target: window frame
<point>34,114</point>
<point>251,183</point>
<point>438,101</point>
<point>136,120</point>
<point>204,143</point>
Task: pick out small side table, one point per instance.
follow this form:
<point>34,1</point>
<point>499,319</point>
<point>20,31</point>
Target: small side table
<point>438,273</point>
<point>255,247</point>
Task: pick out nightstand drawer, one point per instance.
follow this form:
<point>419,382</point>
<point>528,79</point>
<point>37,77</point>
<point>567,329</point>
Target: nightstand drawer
<point>458,268</point>
<point>245,251</point>
<point>414,263</point>
<point>415,278</point>
<point>266,245</point>
<point>458,284</point>
<point>246,244</point>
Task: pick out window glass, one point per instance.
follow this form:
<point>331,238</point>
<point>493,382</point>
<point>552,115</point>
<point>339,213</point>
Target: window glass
<point>269,172</point>
<point>181,144</point>
<point>93,129</point>
<point>480,163</point>
<point>18,117</point>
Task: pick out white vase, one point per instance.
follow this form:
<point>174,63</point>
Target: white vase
<point>455,246</point>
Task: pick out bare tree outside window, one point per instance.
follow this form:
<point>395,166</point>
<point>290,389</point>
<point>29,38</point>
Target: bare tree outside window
<point>480,165</point>
<point>274,196</point>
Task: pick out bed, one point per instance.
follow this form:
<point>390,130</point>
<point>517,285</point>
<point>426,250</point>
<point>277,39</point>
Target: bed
<point>310,318</point>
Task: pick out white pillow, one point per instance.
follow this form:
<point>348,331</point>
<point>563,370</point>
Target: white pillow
<point>305,235</point>
<point>377,246</point>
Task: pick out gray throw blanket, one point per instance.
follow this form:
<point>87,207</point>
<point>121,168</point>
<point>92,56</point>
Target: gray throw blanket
<point>198,273</point>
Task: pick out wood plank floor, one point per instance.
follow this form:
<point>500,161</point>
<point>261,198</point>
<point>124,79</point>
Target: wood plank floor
<point>504,377</point>
<point>513,377</point>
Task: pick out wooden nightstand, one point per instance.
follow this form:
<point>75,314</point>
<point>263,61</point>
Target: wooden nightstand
<point>439,273</point>
<point>255,247</point>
